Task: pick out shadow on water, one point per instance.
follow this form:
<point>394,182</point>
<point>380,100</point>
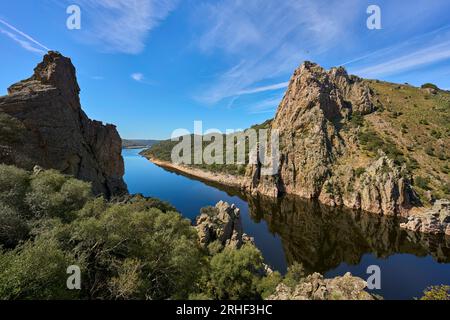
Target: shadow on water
<point>331,241</point>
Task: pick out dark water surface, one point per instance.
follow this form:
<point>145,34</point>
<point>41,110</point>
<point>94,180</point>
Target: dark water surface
<point>325,240</point>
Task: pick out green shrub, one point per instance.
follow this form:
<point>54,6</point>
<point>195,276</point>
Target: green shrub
<point>359,172</point>
<point>13,228</point>
<point>235,275</point>
<point>437,293</point>
<point>430,86</point>
<point>36,270</point>
<point>295,274</point>
<point>14,184</point>
<point>55,195</point>
<point>268,284</point>
<point>422,183</point>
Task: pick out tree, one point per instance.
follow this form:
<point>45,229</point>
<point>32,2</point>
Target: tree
<point>14,184</point>
<point>13,228</point>
<point>235,274</point>
<point>35,270</point>
<point>55,195</point>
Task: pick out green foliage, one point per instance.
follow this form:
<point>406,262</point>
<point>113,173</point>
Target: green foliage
<point>372,142</point>
<point>130,250</point>
<point>359,172</point>
<point>36,270</point>
<point>13,228</point>
<point>11,129</point>
<point>437,293</point>
<point>14,184</point>
<point>234,274</point>
<point>422,183</point>
<point>430,86</point>
<point>446,188</point>
<point>268,284</point>
<point>55,195</point>
<point>357,119</point>
<point>162,247</point>
<point>295,274</point>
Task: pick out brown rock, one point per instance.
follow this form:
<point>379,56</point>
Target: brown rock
<point>52,131</point>
<point>221,223</point>
<point>312,145</point>
<point>315,287</point>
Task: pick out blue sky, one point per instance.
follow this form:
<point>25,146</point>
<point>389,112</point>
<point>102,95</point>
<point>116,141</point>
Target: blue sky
<point>152,66</point>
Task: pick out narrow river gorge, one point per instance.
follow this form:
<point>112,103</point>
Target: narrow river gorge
<point>326,240</point>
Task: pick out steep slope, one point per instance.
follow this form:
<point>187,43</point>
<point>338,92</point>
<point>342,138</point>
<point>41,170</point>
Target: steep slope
<point>319,150</point>
<point>42,123</point>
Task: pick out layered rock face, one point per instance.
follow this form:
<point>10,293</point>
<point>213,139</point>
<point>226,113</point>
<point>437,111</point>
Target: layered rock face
<point>221,223</point>
<point>43,124</point>
<point>315,287</point>
<point>317,157</point>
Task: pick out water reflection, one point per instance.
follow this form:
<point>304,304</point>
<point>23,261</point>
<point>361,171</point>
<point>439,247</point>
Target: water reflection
<point>321,238</point>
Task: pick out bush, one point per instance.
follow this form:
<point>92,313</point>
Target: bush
<point>295,274</point>
<point>437,293</point>
<point>268,284</point>
<point>359,172</point>
<point>55,195</point>
<point>430,86</point>
<point>422,183</point>
<point>136,254</point>
<point>235,274</point>
<point>14,184</point>
<point>36,270</point>
<point>13,228</point>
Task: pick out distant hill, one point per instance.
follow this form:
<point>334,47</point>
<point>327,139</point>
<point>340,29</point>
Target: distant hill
<point>135,144</point>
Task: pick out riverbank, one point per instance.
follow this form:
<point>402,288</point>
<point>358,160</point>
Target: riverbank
<point>227,180</point>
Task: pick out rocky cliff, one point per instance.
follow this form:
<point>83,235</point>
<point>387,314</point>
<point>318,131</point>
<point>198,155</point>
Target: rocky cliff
<point>319,147</point>
<point>42,123</point>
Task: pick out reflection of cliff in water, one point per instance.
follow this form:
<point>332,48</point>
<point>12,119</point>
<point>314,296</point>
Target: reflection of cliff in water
<point>321,238</point>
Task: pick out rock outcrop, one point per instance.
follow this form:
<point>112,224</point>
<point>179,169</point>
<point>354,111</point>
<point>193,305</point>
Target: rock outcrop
<point>43,124</point>
<point>434,221</point>
<point>315,287</point>
<point>317,157</point>
<point>221,223</point>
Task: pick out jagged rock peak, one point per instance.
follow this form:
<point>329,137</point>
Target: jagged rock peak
<point>52,131</point>
<point>54,71</point>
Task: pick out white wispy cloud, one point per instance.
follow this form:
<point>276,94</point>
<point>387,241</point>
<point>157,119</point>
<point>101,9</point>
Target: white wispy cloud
<point>24,40</point>
<point>272,87</point>
<point>405,62</point>
<point>267,41</point>
<point>265,106</point>
<point>121,25</point>
<point>139,77</point>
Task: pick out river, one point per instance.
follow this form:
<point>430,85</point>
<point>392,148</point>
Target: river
<point>325,240</point>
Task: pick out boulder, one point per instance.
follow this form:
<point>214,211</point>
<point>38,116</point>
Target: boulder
<point>221,223</point>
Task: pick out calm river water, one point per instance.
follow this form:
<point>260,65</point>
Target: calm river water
<point>324,240</point>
